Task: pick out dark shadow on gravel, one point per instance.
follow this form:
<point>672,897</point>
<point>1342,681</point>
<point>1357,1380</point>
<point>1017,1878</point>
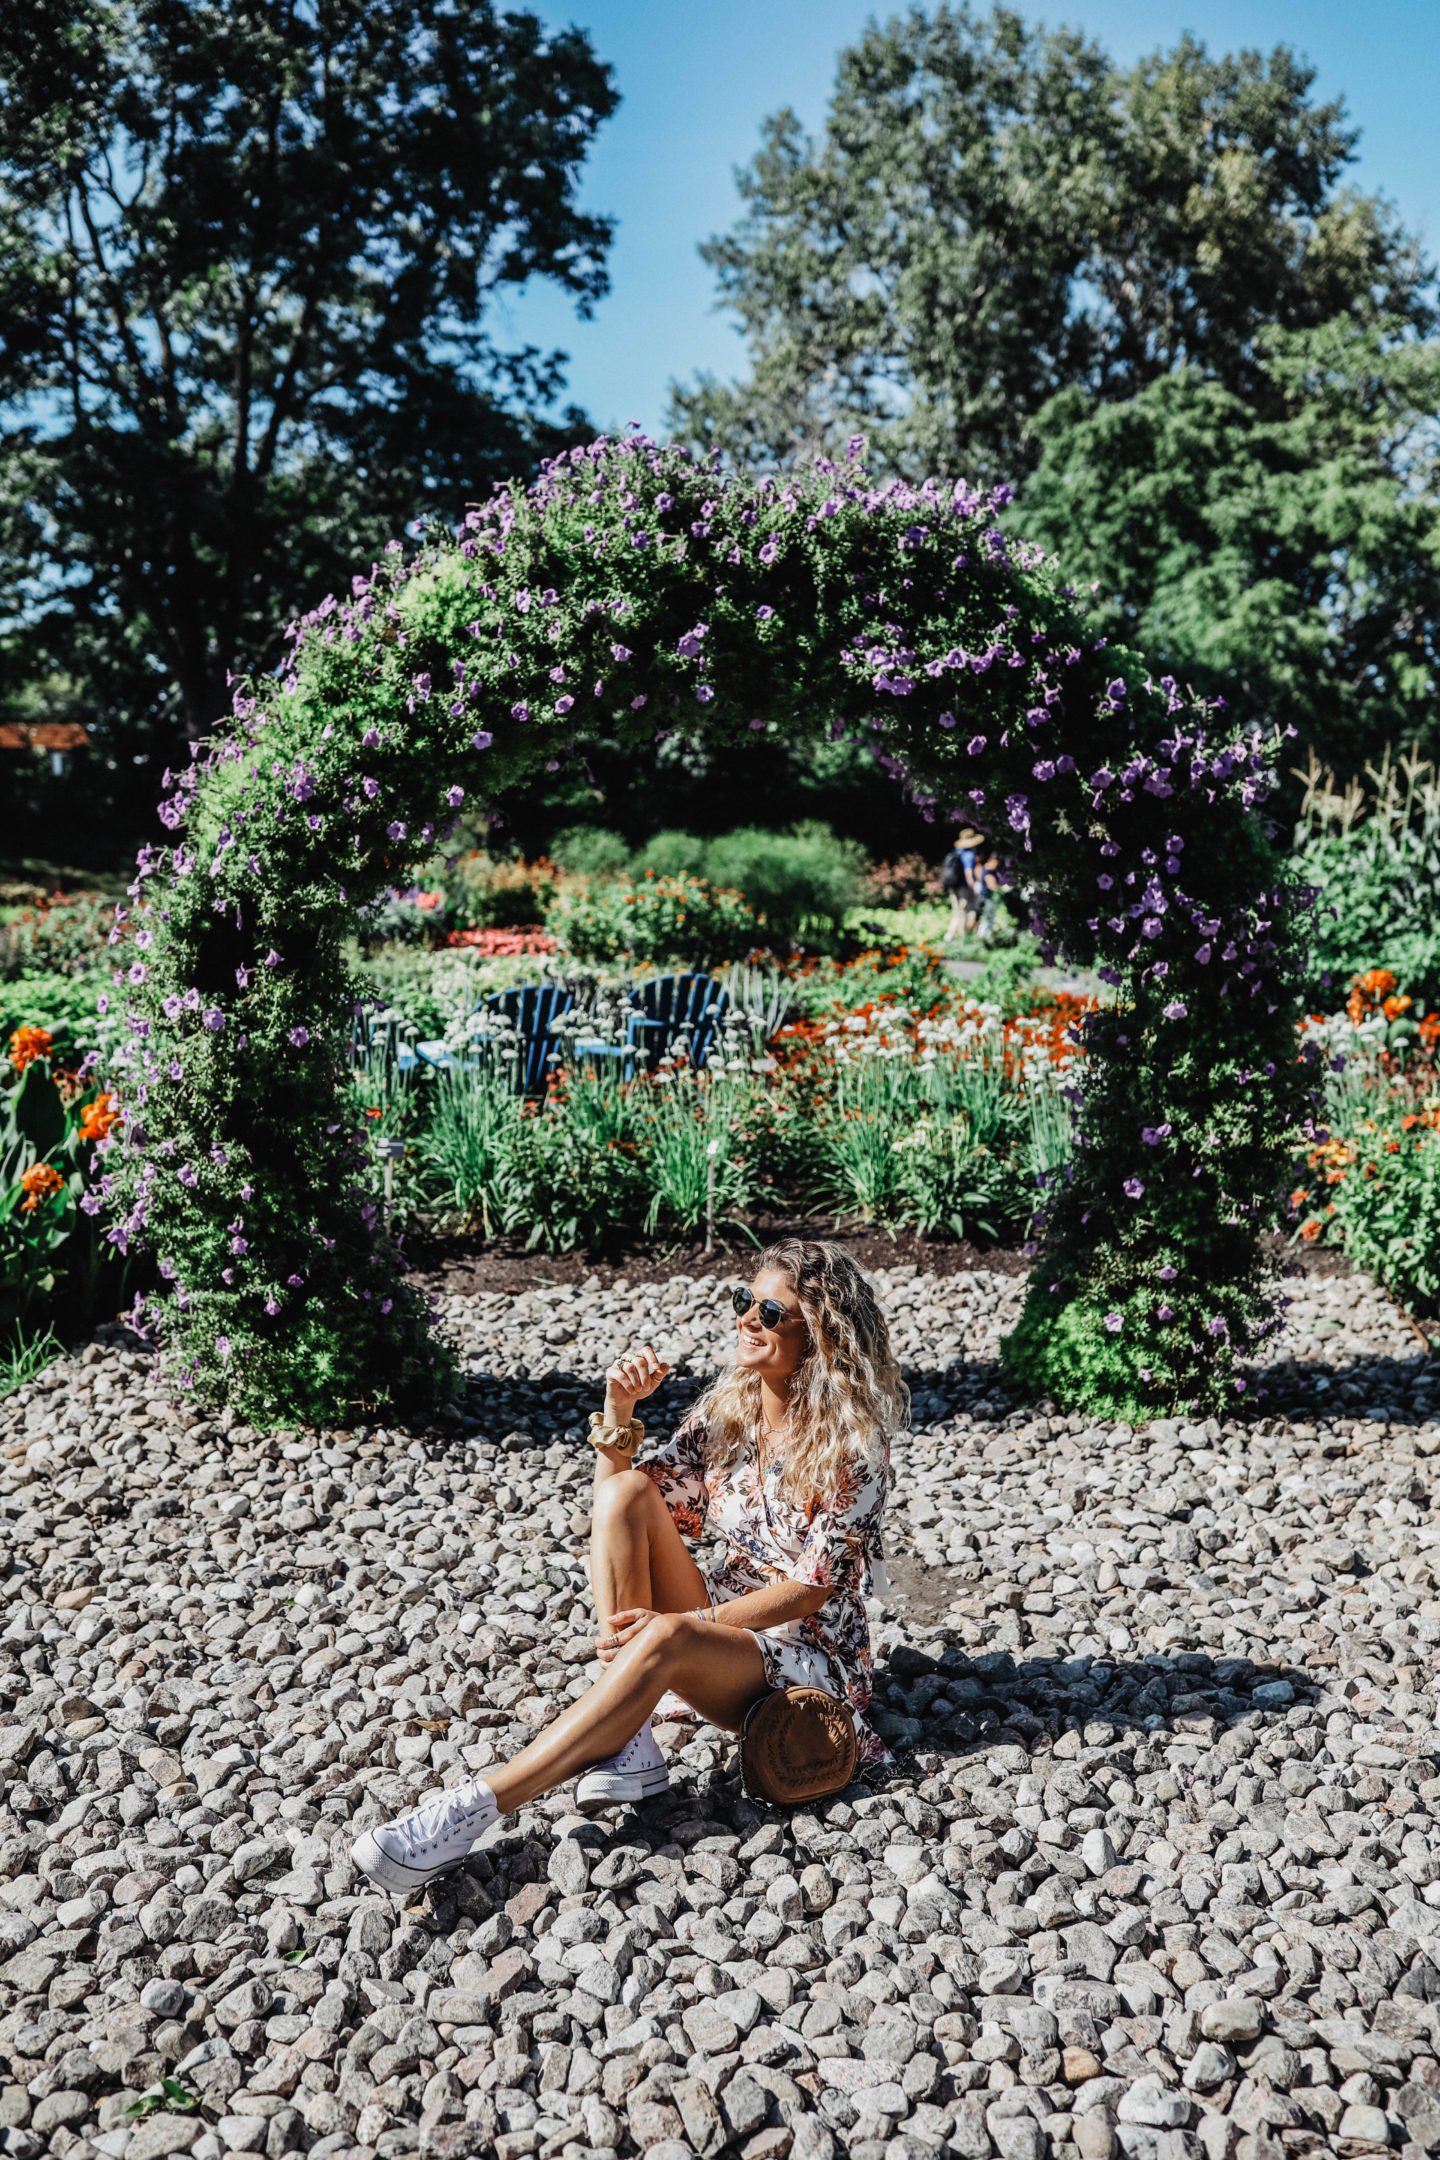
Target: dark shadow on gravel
<point>958,1701</point>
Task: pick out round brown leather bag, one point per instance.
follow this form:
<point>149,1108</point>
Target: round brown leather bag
<point>797,1744</point>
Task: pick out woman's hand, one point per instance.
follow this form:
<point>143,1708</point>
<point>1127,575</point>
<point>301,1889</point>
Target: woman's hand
<point>634,1375</point>
<point>621,1628</point>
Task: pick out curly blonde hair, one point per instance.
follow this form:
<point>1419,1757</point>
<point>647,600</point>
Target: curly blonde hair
<point>847,1396</point>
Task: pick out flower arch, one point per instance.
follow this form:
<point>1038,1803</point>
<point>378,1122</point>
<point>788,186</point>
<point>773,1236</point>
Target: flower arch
<point>639,583</point>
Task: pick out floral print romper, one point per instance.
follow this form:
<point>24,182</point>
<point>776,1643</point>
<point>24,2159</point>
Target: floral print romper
<point>835,1542</point>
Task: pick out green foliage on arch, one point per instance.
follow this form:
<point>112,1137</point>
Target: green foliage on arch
<point>644,585</point>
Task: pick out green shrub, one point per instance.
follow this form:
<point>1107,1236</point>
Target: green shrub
<point>662,921</point>
<point>673,855</point>
<point>798,883</point>
<point>482,893</point>
<point>591,851</point>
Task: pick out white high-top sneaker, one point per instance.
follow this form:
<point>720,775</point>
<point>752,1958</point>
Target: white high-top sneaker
<point>638,1772</point>
<point>411,1851</point>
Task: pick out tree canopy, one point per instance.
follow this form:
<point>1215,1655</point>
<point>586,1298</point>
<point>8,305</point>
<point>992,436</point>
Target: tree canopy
<point>249,253</point>
<point>994,213</point>
<point>1284,553</point>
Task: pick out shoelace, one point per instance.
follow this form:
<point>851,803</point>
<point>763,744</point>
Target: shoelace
<point>629,1756</point>
<point>427,1824</point>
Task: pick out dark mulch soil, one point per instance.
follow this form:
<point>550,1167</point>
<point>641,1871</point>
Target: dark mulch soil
<point>922,1591</point>
<point>459,1266</point>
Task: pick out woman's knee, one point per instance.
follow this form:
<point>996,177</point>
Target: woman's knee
<point>621,1497</point>
<point>668,1639</point>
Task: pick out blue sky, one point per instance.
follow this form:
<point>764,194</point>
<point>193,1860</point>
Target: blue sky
<point>697,76</point>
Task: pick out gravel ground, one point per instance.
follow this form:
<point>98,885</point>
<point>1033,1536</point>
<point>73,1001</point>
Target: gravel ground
<point>1157,1872</point>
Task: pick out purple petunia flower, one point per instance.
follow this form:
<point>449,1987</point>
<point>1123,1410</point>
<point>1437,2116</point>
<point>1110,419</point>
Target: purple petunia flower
<point>455,796</point>
<point>946,720</point>
<point>620,652</point>
<point>272,1306</point>
<point>1166,1312</point>
<point>213,1019</point>
<point>975,745</point>
<point>1167,1273</point>
<point>520,712</point>
<point>1152,1135</point>
<point>704,693</point>
<point>769,552</point>
<point>369,787</point>
<point>299,1036</point>
<point>296,1282</point>
<point>187,1177</point>
<point>175,1070</point>
<point>1133,1188</point>
<point>563,705</point>
<point>170,1008</point>
<point>480,740</point>
<point>1114,1321</point>
<point>272,959</point>
<point>395,830</point>
<point>1175,1010</point>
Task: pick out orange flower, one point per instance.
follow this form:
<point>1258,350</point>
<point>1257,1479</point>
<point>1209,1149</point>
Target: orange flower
<point>1311,1230</point>
<point>1430,1030</point>
<point>99,1116</point>
<point>27,1043</point>
<point>38,1185</point>
<point>1298,1199</point>
<point>1394,1006</point>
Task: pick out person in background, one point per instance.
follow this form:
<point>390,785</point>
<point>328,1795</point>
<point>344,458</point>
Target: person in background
<point>988,883</point>
<point>962,879</point>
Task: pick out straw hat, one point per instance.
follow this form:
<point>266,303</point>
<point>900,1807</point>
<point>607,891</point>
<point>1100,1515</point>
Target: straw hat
<point>969,838</point>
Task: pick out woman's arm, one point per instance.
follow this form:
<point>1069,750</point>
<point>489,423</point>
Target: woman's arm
<point>772,1606</point>
<point>628,1381</point>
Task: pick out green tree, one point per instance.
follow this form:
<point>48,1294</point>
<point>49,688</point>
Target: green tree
<point>1284,551</point>
<point>246,257</point>
<point>994,213</point>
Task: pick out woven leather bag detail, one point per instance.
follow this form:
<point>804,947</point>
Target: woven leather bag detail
<point>797,1744</point>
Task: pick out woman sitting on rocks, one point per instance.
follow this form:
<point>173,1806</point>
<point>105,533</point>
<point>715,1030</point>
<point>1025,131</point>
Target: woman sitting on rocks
<point>787,1457</point>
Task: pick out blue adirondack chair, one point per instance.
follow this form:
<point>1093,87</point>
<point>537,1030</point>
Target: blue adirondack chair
<point>668,1003</point>
<point>532,1010</point>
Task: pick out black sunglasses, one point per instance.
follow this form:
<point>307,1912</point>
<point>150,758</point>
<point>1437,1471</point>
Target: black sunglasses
<point>772,1313</point>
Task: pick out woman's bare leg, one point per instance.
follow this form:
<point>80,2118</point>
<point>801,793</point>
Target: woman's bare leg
<point>637,1557</point>
<point>718,1669</point>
